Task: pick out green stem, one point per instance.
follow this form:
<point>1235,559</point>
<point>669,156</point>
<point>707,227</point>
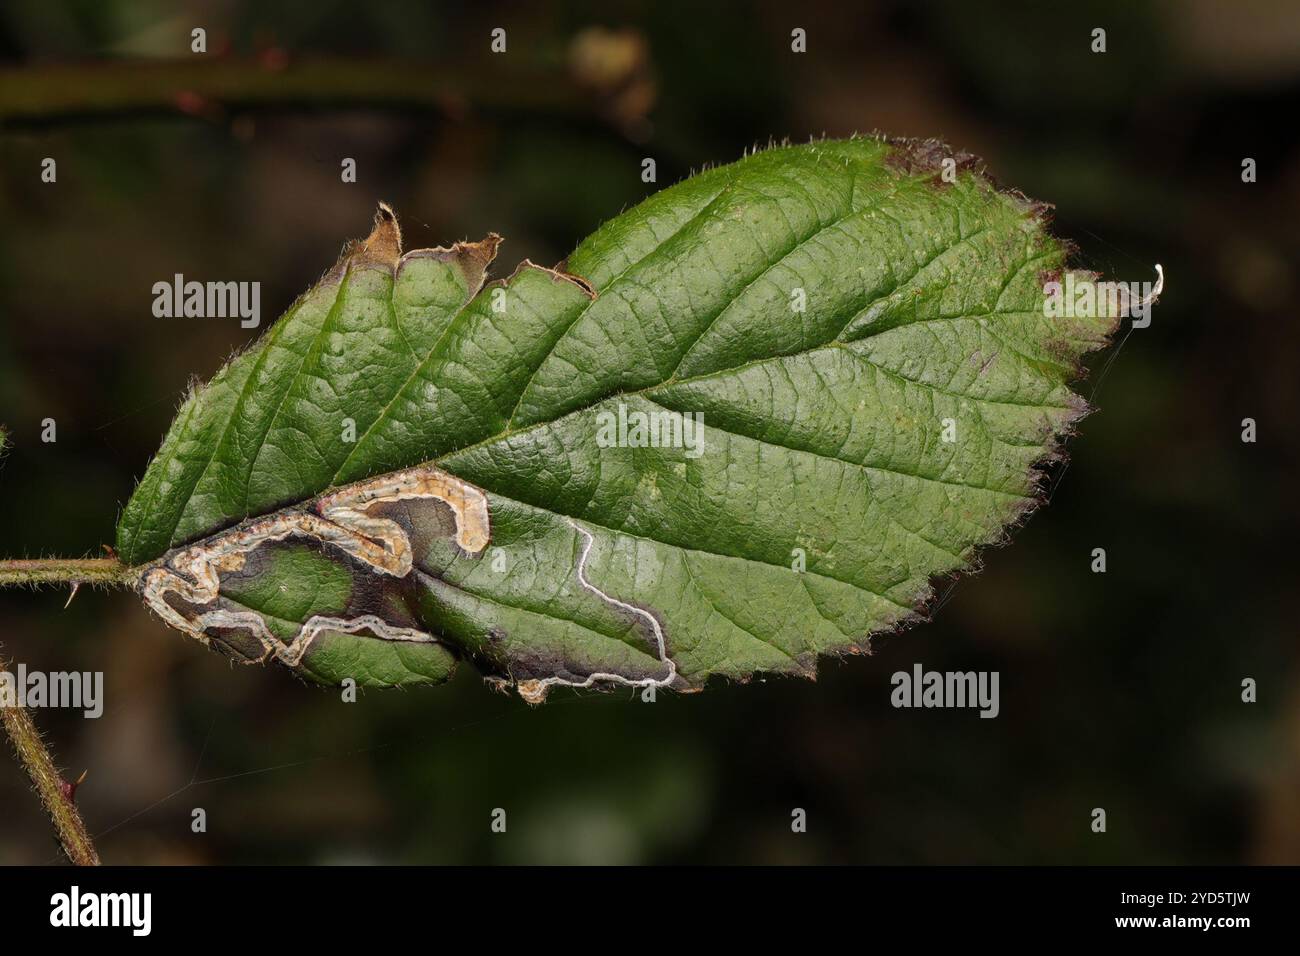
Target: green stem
<point>55,792</point>
<point>108,572</point>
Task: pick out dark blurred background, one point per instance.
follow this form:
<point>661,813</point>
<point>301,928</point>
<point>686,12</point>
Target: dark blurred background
<point>1119,690</point>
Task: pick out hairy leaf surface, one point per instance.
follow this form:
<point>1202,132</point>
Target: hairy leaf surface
<point>844,357</point>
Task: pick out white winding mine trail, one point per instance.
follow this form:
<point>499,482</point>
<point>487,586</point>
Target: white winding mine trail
<point>342,519</point>
<point>534,691</point>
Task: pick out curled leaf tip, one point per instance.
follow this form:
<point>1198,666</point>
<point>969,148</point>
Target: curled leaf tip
<point>1154,294</point>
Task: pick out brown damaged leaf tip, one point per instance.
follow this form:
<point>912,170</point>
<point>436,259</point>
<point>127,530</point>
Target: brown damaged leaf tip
<point>384,247</point>
<point>475,257</point>
<point>486,247</point>
<point>384,244</point>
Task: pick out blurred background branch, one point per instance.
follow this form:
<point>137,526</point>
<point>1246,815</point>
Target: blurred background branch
<point>199,87</point>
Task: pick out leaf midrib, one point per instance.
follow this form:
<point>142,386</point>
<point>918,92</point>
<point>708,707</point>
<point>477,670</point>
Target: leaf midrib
<point>508,432</point>
<point>833,341</point>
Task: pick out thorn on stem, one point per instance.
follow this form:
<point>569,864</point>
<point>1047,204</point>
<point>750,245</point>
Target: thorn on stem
<point>69,790</point>
<point>75,588</point>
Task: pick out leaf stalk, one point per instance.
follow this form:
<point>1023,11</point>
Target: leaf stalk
<point>107,572</point>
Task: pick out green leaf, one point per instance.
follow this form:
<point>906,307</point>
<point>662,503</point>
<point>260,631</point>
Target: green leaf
<point>847,358</point>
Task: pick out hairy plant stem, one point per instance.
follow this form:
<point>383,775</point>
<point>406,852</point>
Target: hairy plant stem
<point>55,792</point>
<point>108,572</point>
